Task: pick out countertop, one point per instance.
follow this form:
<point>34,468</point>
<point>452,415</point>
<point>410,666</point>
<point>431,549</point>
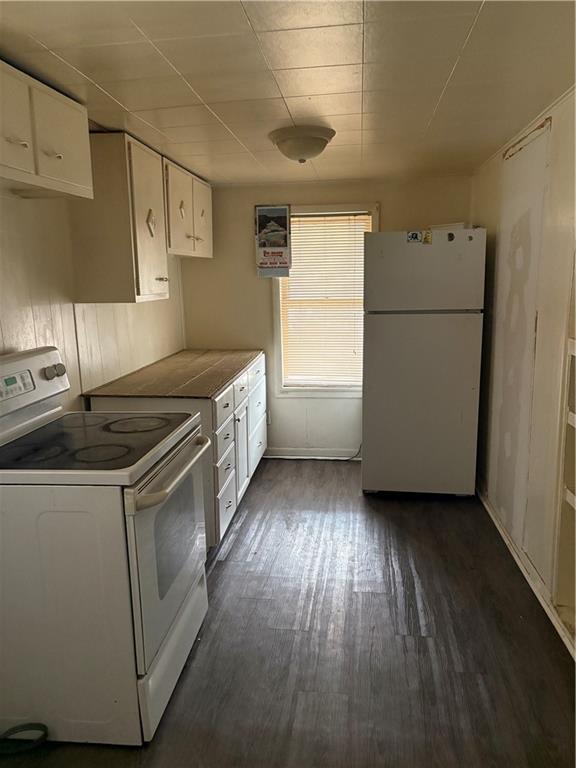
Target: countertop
<point>189,373</point>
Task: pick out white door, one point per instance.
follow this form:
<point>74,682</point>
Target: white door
<point>180,210</point>
<point>447,273</point>
<point>167,544</point>
<point>203,219</point>
<point>420,402</point>
<point>62,140</point>
<point>241,440</point>
<point>16,149</point>
<point>148,220</point>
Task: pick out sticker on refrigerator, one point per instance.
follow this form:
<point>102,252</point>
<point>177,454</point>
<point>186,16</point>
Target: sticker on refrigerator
<point>419,236</point>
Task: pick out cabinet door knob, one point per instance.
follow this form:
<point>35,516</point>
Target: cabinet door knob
<point>162,279</point>
<point>229,504</point>
<point>55,155</point>
<point>198,238</point>
<point>182,210</point>
<point>227,467</point>
<point>20,142</point>
<point>190,237</point>
<point>226,405</point>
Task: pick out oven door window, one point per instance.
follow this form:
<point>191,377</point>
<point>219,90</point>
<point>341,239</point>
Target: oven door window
<point>169,546</point>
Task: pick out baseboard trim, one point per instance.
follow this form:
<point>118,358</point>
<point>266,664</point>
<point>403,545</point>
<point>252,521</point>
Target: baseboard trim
<point>339,454</point>
<point>531,577</point>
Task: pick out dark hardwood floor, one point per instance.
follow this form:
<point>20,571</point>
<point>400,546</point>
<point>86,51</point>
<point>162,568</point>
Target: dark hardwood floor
<point>360,632</point>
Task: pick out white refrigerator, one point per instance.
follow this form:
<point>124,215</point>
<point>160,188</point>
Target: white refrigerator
<point>423,305</point>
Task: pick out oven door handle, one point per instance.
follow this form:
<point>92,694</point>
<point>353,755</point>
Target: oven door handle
<point>147,500</point>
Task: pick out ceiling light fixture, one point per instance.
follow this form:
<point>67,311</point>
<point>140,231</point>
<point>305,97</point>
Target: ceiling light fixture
<point>302,142</point>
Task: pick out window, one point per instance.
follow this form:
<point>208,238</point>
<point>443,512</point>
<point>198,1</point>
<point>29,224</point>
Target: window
<point>321,303</point>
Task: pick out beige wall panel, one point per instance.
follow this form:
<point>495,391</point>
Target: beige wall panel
<point>36,280</point>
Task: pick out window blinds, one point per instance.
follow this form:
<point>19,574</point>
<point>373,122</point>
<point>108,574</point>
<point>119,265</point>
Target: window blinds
<point>321,303</point>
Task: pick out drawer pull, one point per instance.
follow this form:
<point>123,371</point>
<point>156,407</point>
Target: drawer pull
<point>19,142</point>
<point>55,155</point>
<point>229,504</point>
<point>227,467</point>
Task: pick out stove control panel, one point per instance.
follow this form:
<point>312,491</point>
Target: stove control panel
<point>16,384</point>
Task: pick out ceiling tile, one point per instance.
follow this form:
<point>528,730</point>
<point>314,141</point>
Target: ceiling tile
<point>334,154</point>
<point>213,55</point>
<point>197,133</point>
<point>396,42</point>
<point>161,20</point>
<point>15,41</point>
<point>343,138</point>
<point>400,106</point>
<point>206,148</point>
<point>255,135</point>
<point>319,80</point>
<point>284,168</point>
<point>234,112</point>
<point>272,15</point>
<point>376,10</point>
<point>68,24</point>
<point>117,62</point>
<point>424,73</point>
<point>48,68</point>
<point>337,122</point>
<point>318,47</point>
<point>234,86</point>
<point>178,116</point>
<point>525,41</point>
<point>331,104</point>
<point>151,93</point>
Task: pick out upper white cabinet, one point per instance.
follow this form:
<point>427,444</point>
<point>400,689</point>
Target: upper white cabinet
<point>179,210</point>
<point>16,150</point>
<point>62,141</point>
<point>120,237</point>
<point>44,146</point>
<point>202,219</point>
<point>189,213</point>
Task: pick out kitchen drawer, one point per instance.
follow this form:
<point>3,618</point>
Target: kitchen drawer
<point>225,468</point>
<point>223,406</point>
<point>256,372</point>
<point>226,504</point>
<point>257,444</point>
<point>240,389</point>
<point>256,405</point>
<point>223,439</point>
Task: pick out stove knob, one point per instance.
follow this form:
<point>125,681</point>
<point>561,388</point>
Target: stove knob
<point>60,369</point>
<point>50,372</point>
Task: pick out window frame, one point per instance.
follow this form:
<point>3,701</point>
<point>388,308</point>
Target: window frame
<point>335,392</point>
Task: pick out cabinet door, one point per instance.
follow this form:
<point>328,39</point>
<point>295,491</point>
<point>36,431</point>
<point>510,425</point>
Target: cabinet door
<point>203,219</point>
<point>241,440</point>
<point>180,211</point>
<point>15,124</point>
<point>62,142</point>
<point>148,220</point>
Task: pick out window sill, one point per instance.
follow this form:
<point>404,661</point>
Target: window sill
<point>311,393</point>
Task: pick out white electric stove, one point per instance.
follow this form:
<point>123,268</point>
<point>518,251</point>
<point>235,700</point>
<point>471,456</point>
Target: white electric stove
<point>102,551</point>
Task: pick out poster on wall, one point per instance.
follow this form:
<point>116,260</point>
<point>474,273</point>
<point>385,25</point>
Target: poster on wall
<point>273,256</point>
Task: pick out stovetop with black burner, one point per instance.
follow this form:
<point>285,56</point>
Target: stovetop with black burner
<point>95,440</point>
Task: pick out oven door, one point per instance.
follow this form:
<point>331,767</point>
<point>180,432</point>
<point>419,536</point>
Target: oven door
<point>166,543</point>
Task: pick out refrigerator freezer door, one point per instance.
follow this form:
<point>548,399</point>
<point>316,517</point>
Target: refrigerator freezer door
<point>420,402</point>
<point>447,273</point>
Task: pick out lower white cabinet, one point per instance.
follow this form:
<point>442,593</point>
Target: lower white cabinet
<point>238,438</point>
<point>241,439</point>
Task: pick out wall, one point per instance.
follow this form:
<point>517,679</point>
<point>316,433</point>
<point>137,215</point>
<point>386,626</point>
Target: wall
<point>36,281</point>
<point>36,295</point>
<point>538,418</point>
<point>226,305</point>
<point>115,339</point>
